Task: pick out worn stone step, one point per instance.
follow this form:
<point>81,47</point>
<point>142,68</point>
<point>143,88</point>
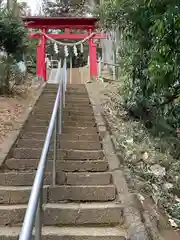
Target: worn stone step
<point>67,166</point>
<point>78,115</point>
<point>83,145</point>
<point>76,130</point>
<point>68,123</point>
<point>45,102</point>
<point>86,193</point>
<point>74,86</point>
<point>26,178</point>
<point>82,214</point>
<point>66,111</point>
<point>76,93</point>
<point>88,115</point>
<point>52,96</point>
<point>80,101</point>
<point>69,233</point>
<point>69,98</point>
<point>84,110</point>
<point>35,153</point>
<point>69,105</point>
<point>64,136</point>
<point>66,214</point>
<point>17,195</point>
<point>88,178</point>
<point>77,104</point>
<point>20,194</point>
<point>78,90</point>
<point>66,117</point>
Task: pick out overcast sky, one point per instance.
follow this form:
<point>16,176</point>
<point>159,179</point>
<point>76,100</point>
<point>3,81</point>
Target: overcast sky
<point>34,4</point>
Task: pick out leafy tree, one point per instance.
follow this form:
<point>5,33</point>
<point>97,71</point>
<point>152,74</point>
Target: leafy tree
<point>150,31</point>
<point>63,7</point>
<point>12,45</point>
<point>68,7</point>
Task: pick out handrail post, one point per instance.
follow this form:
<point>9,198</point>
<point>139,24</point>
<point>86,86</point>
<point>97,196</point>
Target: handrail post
<point>38,222</point>
<point>70,72</point>
<point>64,81</point>
<point>61,101</point>
<point>55,150</point>
<point>65,70</point>
<point>99,68</point>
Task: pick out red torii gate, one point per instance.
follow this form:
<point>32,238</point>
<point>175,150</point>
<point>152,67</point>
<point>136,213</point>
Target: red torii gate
<point>66,23</point>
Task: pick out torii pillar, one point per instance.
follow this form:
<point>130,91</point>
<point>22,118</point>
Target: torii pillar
<point>43,55</point>
<point>92,57</point>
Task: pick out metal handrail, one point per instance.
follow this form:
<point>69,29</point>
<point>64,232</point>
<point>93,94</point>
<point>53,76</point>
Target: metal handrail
<point>34,208</point>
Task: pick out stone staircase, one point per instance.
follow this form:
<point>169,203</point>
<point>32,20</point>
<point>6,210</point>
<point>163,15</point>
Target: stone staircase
<point>82,205</point>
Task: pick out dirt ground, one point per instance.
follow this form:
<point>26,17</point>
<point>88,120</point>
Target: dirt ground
<point>12,107</point>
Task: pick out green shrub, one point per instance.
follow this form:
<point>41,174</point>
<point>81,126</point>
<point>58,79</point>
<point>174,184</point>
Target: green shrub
<point>150,58</point>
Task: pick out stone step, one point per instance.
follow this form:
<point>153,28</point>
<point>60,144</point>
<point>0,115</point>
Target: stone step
<point>76,130</point>
<point>82,214</point>
<point>82,123</point>
<point>67,166</point>
<point>86,193</point>
<point>71,105</point>
<point>69,233</point>
<point>69,95</point>
<point>66,117</point>
<point>67,106</point>
<point>83,145</point>
<point>26,178</point>
<point>64,136</point>
<point>47,99</point>
<point>77,104</point>
<point>20,194</point>
<point>66,113</point>
<point>35,153</point>
<point>88,178</point>
<point>45,122</point>
<point>76,91</point>
<point>79,116</point>
<point>77,100</point>
<point>84,110</point>
<point>74,86</point>
<point>66,214</point>
<point>17,195</point>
